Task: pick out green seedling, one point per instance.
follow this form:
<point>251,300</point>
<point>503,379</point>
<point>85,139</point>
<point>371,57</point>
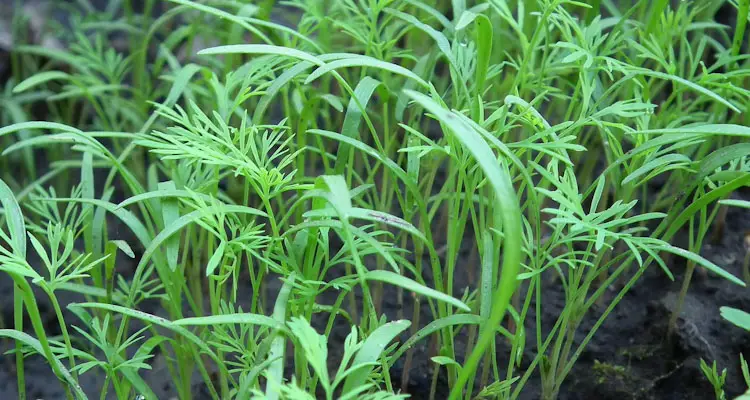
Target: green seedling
<point>258,175</point>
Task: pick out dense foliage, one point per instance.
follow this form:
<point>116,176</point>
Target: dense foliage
<point>279,169</point>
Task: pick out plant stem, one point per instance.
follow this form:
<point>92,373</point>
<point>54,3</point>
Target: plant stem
<point>18,325</point>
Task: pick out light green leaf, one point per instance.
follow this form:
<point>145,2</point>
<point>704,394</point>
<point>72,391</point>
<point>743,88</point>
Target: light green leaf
<point>737,317</point>
<point>37,346</point>
<point>276,354</point>
<point>230,319</point>
<point>483,37</point>
<point>510,211</point>
<point>152,319</point>
<point>13,220</point>
<point>736,203</point>
<point>658,165</point>
<point>218,255</point>
<point>702,262</point>
<point>38,125</point>
<point>442,360</point>
<point>124,247</point>
<point>314,346</point>
<point>413,286</point>
<point>683,81</point>
<point>40,78</point>
<point>170,212</point>
<point>354,111</point>
<point>263,49</point>
<point>370,352</point>
<point>364,61</point>
<point>708,129</point>
<point>185,220</point>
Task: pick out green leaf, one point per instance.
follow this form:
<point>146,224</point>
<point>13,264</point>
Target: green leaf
<point>370,351</point>
<point>507,201</point>
<point>314,346</point>
<point>237,19</point>
<point>600,184</point>
<point>706,130</point>
<point>218,255</point>
<point>229,319</point>
<point>737,317</point>
<point>13,220</point>
<point>435,326</point>
<point>37,346</point>
<point>439,17</point>
<point>413,286</point>
<point>496,389</point>
<point>658,165</point>
<point>87,185</point>
<point>671,227</point>
<point>187,219</point>
<point>702,262</point>
<point>677,79</point>
<point>442,42</point>
<point>276,86</point>
<point>354,111</point>
<point>64,56</point>
<point>124,247</point>
<point>464,20</point>
<point>163,193</point>
<point>442,360</point>
<point>736,203</point>
<point>40,78</point>
<point>152,319</point>
<point>38,125</point>
<point>263,49</point>
<point>339,197</point>
<point>276,355</point>
<point>170,212</point>
<point>127,217</point>
<point>364,61</point>
<point>180,83</point>
<point>359,145</point>
<point>483,37</point>
<point>720,157</point>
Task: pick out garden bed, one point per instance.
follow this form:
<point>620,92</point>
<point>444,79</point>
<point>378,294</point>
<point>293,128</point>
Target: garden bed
<point>472,156</point>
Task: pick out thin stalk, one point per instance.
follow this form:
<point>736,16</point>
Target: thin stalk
<point>36,321</point>
<point>105,386</point>
<point>18,325</point>
<point>410,352</point>
<point>62,325</point>
<point>739,31</point>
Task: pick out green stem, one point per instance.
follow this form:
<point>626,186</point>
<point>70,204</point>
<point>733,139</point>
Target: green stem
<point>18,325</point>
<point>61,323</point>
<point>739,32</point>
